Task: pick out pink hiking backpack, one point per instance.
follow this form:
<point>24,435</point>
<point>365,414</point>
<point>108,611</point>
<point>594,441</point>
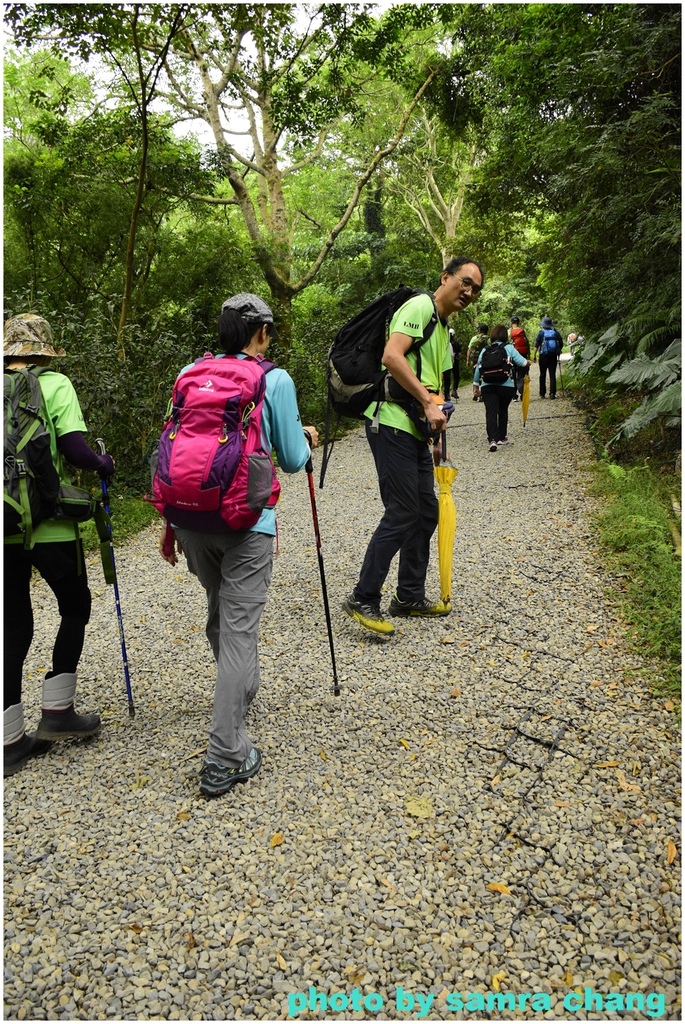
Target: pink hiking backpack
<point>212,474</point>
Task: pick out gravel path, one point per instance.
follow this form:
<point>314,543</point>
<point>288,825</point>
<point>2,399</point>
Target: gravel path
<point>483,817</point>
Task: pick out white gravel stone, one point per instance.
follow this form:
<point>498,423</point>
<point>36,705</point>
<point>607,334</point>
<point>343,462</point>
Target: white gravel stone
<point>549,773</point>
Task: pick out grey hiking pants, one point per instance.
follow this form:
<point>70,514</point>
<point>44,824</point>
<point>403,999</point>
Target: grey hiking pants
<point>235,571</point>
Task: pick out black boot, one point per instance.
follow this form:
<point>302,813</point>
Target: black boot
<point>61,725</point>
<point>59,720</point>
<point>15,755</point>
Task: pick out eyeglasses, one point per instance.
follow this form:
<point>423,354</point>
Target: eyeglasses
<point>474,288</point>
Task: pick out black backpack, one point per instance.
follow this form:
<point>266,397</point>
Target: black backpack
<point>31,482</point>
<point>495,364</point>
<point>355,375</point>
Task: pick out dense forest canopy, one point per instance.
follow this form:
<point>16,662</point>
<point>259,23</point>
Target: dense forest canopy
<point>343,149</point>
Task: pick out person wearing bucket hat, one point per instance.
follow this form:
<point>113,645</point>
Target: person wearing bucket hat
<point>548,345</point>
<point>234,567</point>
<point>56,554</point>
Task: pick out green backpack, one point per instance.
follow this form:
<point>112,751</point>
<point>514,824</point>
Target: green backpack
<point>31,482</point>
<point>33,490</point>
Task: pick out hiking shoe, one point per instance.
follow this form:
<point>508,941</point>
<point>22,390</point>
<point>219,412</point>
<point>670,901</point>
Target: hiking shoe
<point>368,616</point>
<point>216,779</point>
<point>493,446</point>
<point>552,397</point>
<point>423,607</point>
<point>505,440</point>
<point>15,755</point>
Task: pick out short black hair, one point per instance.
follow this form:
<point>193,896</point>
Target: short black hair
<point>234,333</point>
<point>457,262</point>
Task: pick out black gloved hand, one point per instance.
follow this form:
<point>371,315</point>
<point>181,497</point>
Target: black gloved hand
<point>106,468</point>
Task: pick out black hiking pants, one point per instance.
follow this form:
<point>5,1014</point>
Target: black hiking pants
<point>548,364</point>
<point>58,563</point>
<point>497,398</point>
<point>405,477</point>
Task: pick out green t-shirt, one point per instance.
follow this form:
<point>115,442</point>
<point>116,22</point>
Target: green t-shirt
<point>63,417</point>
<point>411,319</point>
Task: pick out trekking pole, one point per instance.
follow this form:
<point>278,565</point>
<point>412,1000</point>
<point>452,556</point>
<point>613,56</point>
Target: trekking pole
<point>309,469</point>
<point>105,501</point>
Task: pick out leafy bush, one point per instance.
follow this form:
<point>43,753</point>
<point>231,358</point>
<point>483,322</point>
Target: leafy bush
<point>635,533</point>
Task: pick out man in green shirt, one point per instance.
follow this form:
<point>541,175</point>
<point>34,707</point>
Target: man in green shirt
<point>403,458</point>
<point>477,344</point>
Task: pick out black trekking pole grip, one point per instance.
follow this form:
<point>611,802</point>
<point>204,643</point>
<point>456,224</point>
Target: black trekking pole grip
<point>309,469</point>
<point>105,501</point>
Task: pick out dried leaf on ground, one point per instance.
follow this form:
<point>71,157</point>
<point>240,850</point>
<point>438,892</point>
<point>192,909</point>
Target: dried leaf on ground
<point>497,980</point>
<point>419,807</point>
<point>627,787</point>
<point>499,887</point>
<point>671,851</point>
<point>193,753</point>
<point>277,839</point>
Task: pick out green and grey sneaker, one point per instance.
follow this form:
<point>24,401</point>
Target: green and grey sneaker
<point>368,616</point>
<point>216,779</point>
<point>424,607</point>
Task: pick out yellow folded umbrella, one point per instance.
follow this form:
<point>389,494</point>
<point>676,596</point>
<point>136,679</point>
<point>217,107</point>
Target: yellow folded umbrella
<point>525,399</point>
<point>445,474</point>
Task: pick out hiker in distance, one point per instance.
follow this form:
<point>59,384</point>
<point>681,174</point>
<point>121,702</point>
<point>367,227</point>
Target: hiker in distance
<point>476,344</point>
<point>493,381</point>
<point>234,565</point>
<point>404,460</point>
<point>519,339</point>
<point>548,345</point>
<point>57,554</point>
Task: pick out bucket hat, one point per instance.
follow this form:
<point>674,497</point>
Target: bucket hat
<point>547,322</point>
<point>29,335</point>
<point>252,309</point>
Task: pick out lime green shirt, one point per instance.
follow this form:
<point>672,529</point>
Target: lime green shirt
<point>63,417</point>
<point>411,319</point>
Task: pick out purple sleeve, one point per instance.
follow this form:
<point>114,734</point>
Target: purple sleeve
<point>75,450</point>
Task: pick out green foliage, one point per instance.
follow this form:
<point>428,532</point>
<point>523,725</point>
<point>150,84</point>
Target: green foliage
<point>582,113</point>
<point>123,402</point>
<point>635,534</point>
<point>129,515</point>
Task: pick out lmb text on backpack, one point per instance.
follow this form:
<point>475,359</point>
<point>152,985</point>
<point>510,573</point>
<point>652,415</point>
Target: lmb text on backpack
<point>211,472</point>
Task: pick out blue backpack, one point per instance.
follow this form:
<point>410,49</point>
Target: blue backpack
<point>550,342</point>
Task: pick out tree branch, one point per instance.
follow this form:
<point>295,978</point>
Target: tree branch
<point>380,155</point>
